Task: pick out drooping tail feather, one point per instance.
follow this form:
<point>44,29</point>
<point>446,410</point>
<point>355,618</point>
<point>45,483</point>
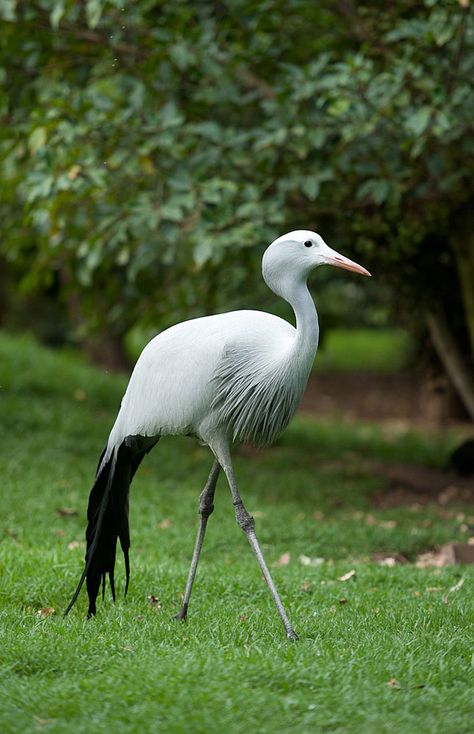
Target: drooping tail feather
<point>107,516</point>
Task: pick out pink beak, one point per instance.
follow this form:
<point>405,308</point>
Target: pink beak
<point>334,258</point>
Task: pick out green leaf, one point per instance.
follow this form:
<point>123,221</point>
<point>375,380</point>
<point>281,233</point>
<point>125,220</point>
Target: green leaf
<point>419,120</point>
<point>311,187</point>
<point>57,13</point>
<point>37,139</point>
<point>8,10</point>
<point>93,12</point>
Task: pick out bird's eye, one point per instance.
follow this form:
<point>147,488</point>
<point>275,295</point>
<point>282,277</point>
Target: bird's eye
<point>308,243</point>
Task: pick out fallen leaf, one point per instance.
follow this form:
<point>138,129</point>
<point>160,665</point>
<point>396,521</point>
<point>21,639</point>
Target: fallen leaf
<point>66,512</point>
<point>307,561</point>
<point>370,520</point>
<point>243,618</point>
<point>393,683</point>
<point>140,618</point>
<point>59,533</point>
<point>347,576</point>
<point>388,561</point>
<point>74,545</point>
<point>388,524</point>
<point>448,555</point>
<point>165,524</point>
<point>342,601</point>
<point>153,601</point>
<point>284,559</point>
<point>306,586</point>
<point>448,494</point>
<point>46,612</point>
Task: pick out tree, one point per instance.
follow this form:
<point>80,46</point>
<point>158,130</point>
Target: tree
<point>148,142</point>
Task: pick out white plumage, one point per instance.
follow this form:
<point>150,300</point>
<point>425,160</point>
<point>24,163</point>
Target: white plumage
<point>227,378</point>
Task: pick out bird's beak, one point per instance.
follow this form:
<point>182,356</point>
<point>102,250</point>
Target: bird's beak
<point>331,257</point>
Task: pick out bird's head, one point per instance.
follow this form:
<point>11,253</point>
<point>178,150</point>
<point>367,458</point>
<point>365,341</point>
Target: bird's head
<point>301,251</point>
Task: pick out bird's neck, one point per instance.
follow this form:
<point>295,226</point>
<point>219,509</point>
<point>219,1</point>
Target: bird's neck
<point>296,293</point>
<point>307,325</point>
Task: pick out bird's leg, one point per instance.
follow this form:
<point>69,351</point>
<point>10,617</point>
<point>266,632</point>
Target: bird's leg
<point>206,507</point>
<point>247,523</point>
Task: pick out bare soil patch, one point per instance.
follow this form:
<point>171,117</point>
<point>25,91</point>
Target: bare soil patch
<point>400,396</point>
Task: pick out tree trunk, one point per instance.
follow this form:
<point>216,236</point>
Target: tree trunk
<point>451,359</point>
<point>462,241</point>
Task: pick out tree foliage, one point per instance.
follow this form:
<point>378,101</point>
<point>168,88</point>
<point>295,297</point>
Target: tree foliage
<point>151,149</point>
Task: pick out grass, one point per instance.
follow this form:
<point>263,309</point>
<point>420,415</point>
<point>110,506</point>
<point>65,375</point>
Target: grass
<point>376,350</point>
<point>380,653</point>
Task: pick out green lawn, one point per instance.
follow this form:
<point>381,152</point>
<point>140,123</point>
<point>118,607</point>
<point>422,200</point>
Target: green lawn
<point>380,653</point>
<point>377,350</point>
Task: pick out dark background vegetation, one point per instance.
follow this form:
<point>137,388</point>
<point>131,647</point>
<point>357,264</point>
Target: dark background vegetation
<point>150,151</point>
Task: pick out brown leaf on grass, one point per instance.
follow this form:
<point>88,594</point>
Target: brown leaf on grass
<point>307,561</point>
<point>66,512</point>
<point>284,559</point>
<point>447,495</point>
<point>153,601</point>
<point>243,618</point>
<point>393,683</point>
<point>165,524</point>
<point>46,612</point>
<point>306,586</point>
<point>347,576</point>
<point>388,559</point>
<point>342,600</point>
<point>448,555</point>
<point>75,544</point>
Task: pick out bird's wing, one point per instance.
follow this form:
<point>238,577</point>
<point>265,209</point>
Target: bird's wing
<point>174,385</point>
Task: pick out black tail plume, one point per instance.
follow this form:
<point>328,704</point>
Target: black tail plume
<point>107,516</point>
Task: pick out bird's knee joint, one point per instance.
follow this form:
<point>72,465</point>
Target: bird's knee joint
<point>206,509</point>
<point>244,518</point>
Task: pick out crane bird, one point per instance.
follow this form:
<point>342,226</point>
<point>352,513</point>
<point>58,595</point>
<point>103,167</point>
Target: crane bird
<point>234,377</point>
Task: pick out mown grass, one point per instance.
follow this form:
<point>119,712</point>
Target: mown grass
<point>390,650</point>
<point>370,350</point>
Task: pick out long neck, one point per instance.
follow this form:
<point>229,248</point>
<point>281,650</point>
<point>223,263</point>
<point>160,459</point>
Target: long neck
<point>307,325</point>
<point>295,292</point>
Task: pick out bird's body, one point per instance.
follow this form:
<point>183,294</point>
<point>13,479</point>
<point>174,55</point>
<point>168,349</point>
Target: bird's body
<point>230,378</point>
<point>233,372</point>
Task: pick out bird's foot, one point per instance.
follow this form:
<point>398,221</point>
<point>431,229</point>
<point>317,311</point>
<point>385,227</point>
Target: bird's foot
<point>182,614</point>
